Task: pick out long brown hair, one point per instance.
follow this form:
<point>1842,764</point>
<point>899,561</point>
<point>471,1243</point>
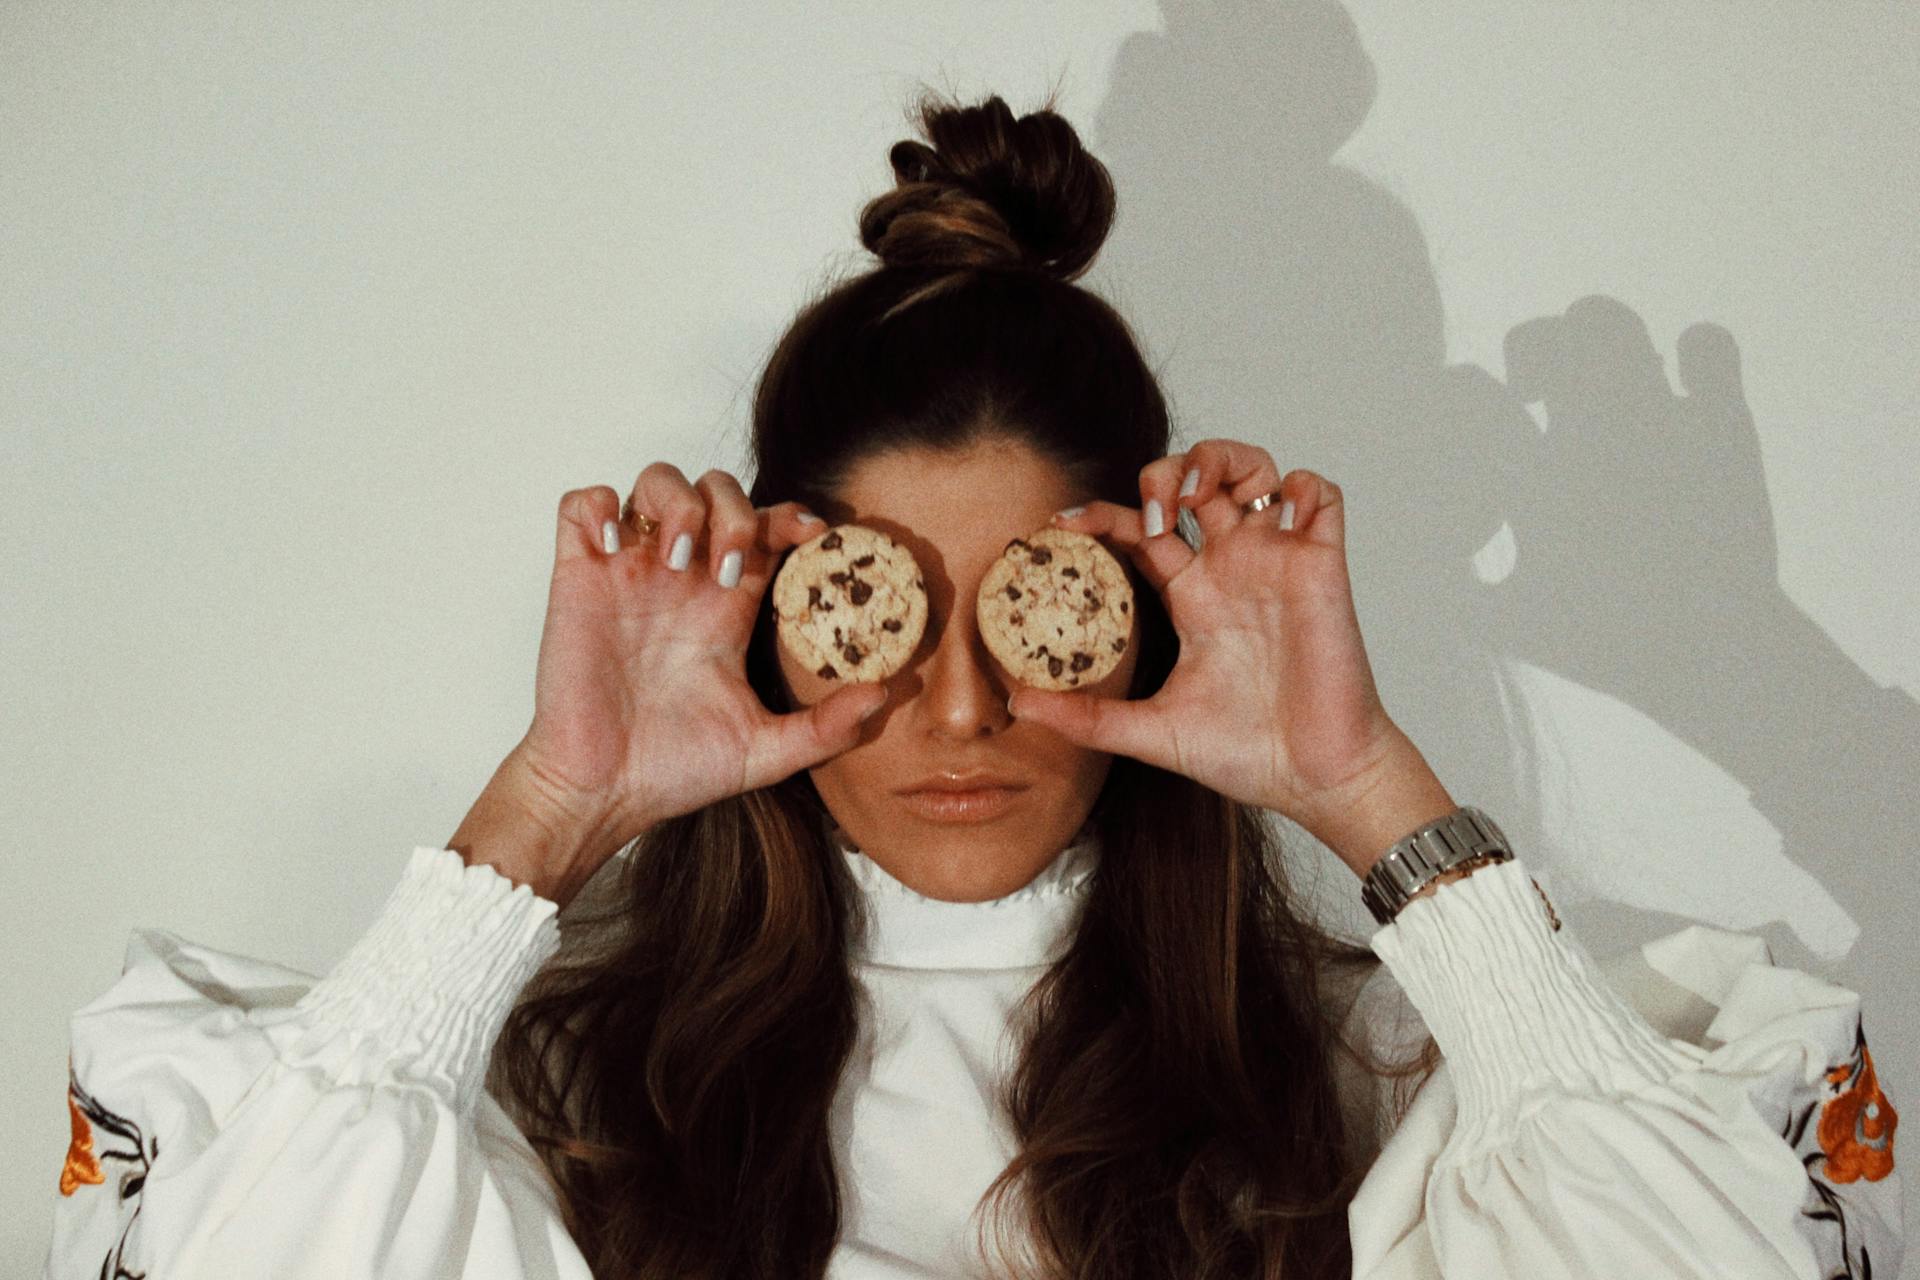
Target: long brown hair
<point>1175,1101</point>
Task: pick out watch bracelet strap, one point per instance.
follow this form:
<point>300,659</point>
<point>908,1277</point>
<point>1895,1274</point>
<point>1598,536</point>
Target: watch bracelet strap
<point>1463,840</point>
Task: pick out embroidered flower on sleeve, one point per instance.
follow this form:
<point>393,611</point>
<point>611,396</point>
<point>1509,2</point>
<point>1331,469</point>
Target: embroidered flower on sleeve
<point>1857,1122</point>
<point>1842,1129</point>
<point>86,1167</point>
<point>81,1168</point>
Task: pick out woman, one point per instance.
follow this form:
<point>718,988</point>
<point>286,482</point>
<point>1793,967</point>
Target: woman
<point>815,1024</point>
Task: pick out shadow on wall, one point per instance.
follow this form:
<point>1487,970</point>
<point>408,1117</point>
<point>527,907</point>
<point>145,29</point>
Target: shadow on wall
<point>1578,619</point>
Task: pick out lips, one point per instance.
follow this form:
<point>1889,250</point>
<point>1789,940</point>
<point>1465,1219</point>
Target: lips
<point>951,781</point>
<point>943,803</point>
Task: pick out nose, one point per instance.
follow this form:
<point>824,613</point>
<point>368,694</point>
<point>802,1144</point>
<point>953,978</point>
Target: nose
<point>964,689</point>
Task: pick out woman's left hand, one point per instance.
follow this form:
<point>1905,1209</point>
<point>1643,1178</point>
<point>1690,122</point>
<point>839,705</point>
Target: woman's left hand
<point>1271,700</point>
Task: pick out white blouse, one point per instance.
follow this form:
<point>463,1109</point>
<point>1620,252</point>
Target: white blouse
<point>1689,1110</point>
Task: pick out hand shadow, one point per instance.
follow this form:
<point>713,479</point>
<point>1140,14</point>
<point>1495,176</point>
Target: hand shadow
<point>1647,569</point>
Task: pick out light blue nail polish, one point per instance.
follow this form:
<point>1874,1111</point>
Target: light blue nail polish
<point>1156,523</point>
<point>1191,483</point>
<point>682,552</point>
<point>730,570</point>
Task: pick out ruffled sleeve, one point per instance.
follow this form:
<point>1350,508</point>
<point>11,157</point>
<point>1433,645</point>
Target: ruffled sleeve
<point>1689,1110</point>
<point>232,1117</point>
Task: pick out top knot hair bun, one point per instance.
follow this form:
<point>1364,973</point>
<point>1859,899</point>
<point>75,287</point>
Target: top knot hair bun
<point>991,192</point>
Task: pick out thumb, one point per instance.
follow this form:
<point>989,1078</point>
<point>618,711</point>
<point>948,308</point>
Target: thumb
<point>801,739</point>
<point>1112,725</point>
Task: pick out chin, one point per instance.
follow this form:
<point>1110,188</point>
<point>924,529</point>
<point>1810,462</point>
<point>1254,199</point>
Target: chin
<point>973,865</point>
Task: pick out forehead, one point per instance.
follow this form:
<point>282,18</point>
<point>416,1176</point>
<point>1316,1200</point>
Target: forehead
<point>955,510</point>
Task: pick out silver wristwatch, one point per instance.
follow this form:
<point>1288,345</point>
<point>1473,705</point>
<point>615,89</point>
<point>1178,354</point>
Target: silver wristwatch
<point>1418,859</point>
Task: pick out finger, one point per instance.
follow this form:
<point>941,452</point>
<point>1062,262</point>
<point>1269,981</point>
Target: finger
<point>1318,509</point>
<point>1095,722</point>
<point>788,524</point>
<point>778,529</point>
<point>1228,474</point>
<point>1159,493</point>
<point>1158,559</point>
<point>663,494</point>
<point>582,522</point>
<point>733,529</point>
<point>791,741</point>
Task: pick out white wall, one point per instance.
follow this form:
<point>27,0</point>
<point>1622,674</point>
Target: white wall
<point>313,310</point>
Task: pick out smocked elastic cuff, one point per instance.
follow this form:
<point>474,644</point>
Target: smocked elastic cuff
<point>1514,1005</point>
<point>424,993</point>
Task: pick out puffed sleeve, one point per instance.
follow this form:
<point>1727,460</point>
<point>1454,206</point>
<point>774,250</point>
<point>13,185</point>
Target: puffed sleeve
<point>1688,1110</point>
<point>235,1118</point>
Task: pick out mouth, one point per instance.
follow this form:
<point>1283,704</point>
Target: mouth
<point>974,804</point>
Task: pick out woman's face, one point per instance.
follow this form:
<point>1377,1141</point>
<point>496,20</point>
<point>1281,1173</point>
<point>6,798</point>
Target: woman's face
<point>947,708</point>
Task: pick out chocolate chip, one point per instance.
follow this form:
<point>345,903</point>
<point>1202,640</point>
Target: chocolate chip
<point>837,637</point>
<point>1120,645</point>
<point>1123,606</point>
<point>1053,665</point>
<point>1017,542</point>
<point>863,561</point>
<point>1081,661</point>
<point>840,578</point>
<point>813,597</point>
<point>861,590</point>
<point>1013,592</point>
<point>1041,555</point>
<point>891,624</point>
<point>852,654</point>
<point>1093,601</point>
<point>826,672</point>
<point>1017,619</point>
<point>831,542</point>
<point>1069,572</point>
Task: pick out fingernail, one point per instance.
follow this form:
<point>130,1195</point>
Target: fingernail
<point>807,517</point>
<point>1191,483</point>
<point>682,552</point>
<point>1286,514</point>
<point>1010,704</point>
<point>1156,524</point>
<point>873,710</point>
<point>1070,513</point>
<point>730,569</point>
<point>610,537</point>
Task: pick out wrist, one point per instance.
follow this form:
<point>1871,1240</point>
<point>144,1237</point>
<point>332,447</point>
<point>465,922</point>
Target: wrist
<point>1396,797</point>
<point>522,830</point>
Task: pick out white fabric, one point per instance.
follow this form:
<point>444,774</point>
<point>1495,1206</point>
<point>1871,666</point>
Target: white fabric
<point>1659,1117</point>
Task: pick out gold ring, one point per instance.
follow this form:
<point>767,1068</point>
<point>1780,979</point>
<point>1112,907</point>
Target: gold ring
<point>640,520</point>
<point>1262,502</point>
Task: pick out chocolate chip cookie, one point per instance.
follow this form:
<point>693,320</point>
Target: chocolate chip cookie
<point>851,604</point>
<point>1056,609</point>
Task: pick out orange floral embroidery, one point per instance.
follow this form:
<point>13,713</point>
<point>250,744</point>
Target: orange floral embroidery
<point>81,1167</point>
<point>1857,1123</point>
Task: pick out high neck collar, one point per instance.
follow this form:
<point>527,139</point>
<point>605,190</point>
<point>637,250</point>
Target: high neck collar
<point>1033,925</point>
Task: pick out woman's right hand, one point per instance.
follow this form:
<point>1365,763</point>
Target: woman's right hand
<point>642,710</point>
